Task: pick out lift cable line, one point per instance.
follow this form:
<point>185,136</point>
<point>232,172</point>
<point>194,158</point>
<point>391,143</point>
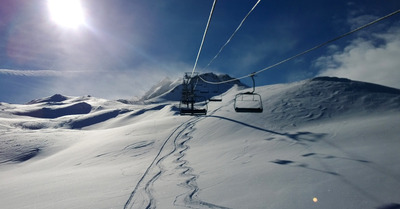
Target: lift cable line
<point>190,101</point>
<point>204,36</point>
<point>305,52</point>
<point>233,34</point>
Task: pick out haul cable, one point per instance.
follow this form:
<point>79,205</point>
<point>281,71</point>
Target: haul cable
<point>307,51</point>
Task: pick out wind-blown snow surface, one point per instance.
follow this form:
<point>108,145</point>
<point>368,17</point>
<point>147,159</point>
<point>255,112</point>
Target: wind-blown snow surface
<point>320,143</point>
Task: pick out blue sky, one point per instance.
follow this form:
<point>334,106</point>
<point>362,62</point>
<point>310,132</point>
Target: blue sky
<point>126,46</point>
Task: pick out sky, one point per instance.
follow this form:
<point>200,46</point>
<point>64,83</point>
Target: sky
<point>118,49</point>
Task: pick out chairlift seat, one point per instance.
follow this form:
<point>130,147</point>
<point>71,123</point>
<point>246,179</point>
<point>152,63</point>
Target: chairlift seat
<point>244,109</point>
<point>248,102</point>
<point>185,111</point>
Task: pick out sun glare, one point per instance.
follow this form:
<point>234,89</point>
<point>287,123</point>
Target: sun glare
<point>66,13</point>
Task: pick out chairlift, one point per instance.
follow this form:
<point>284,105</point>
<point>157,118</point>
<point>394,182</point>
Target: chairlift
<point>190,103</point>
<point>193,106</point>
<point>248,101</point>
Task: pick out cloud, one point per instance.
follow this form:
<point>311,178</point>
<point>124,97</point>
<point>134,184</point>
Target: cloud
<point>109,84</point>
<point>357,21</point>
<point>374,59</point>
<point>37,73</point>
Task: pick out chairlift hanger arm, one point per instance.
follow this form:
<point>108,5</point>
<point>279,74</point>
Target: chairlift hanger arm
<point>254,83</point>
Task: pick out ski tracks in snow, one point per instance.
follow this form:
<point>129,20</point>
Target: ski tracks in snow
<point>173,148</point>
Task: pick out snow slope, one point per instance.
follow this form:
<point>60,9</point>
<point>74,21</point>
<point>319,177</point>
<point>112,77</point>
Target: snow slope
<point>319,143</point>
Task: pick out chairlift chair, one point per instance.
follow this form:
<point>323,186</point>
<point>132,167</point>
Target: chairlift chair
<point>190,103</point>
<point>248,101</point>
<point>193,106</point>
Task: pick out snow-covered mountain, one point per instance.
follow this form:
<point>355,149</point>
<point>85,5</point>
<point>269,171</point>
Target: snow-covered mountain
<point>319,143</point>
<point>167,90</point>
<point>163,87</point>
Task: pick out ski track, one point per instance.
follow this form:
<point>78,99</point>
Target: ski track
<point>137,198</point>
<point>189,199</point>
<point>142,195</point>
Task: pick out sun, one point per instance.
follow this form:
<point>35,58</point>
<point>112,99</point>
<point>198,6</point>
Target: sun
<point>66,13</point>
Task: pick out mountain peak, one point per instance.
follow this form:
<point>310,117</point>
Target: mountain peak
<point>171,90</point>
<point>160,88</point>
<point>52,99</point>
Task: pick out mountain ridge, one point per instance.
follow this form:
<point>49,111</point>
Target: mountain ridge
<point>301,102</point>
<point>171,90</point>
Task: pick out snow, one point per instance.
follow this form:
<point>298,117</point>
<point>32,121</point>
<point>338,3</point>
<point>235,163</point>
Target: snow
<point>319,143</point>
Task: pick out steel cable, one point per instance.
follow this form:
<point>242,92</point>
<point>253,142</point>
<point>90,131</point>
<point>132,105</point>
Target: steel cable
<point>307,51</point>
<point>233,34</point>
<point>204,37</point>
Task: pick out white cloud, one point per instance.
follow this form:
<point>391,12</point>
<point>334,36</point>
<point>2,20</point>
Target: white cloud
<point>108,84</point>
<point>358,21</point>
<point>30,72</point>
<point>41,73</point>
<point>376,60</point>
